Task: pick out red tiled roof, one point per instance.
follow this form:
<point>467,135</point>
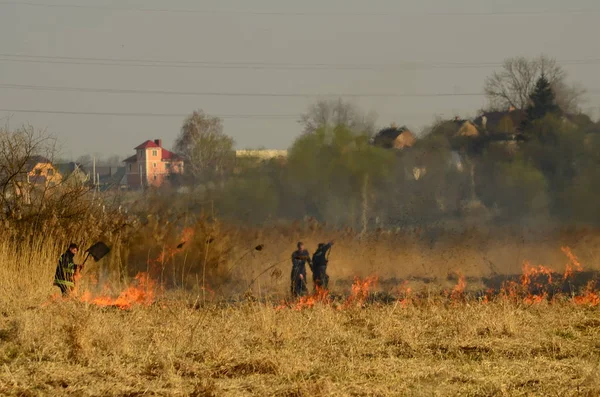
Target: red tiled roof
<point>167,155</point>
<point>146,145</point>
<point>33,161</point>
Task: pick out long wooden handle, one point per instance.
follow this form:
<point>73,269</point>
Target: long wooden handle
<point>85,260</point>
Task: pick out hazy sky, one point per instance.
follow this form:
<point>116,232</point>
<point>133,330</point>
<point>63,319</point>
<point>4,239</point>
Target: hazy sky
<point>403,39</point>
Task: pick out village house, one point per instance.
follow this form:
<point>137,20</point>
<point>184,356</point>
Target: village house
<point>73,173</point>
<point>37,175</point>
<point>507,122</point>
<point>111,178</point>
<point>261,154</point>
<point>41,172</point>
<point>394,137</point>
<point>247,158</point>
<point>151,165</point>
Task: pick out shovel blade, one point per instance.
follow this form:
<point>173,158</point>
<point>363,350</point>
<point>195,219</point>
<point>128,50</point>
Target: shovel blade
<point>98,251</point>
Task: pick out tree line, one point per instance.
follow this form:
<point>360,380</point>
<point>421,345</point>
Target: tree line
<point>532,154</point>
<point>540,162</point>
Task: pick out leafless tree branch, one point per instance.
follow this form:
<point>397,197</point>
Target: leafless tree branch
<point>513,85</point>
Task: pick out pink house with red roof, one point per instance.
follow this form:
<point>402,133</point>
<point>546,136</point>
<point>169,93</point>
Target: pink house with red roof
<point>151,165</point>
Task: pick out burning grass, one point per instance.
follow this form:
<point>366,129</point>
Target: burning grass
<point>141,292</point>
<point>449,343</point>
<point>533,333</point>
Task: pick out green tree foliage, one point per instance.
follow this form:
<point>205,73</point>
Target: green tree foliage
<point>579,198</point>
<point>207,151</point>
<point>521,189</point>
<point>338,176</point>
<point>542,101</point>
<point>434,182</point>
<point>506,125</point>
<point>252,198</point>
<point>556,149</point>
<point>331,166</point>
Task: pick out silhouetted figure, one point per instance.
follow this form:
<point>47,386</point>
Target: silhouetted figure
<point>319,266</point>
<point>299,259</point>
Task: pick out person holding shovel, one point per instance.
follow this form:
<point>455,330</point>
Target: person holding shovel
<point>64,278</point>
<point>299,259</point>
<point>319,266</point>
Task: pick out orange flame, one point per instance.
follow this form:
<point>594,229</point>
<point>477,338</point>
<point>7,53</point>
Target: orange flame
<point>534,299</point>
<point>532,272</point>
<point>360,291</point>
<point>141,292</point>
<point>168,252</point>
<point>282,305</point>
<point>459,289</point>
<point>489,295</point>
<point>187,234</point>
<point>531,278</point>
<point>510,291</point>
<point>307,302</point>
<point>573,262</point>
<point>589,297</point>
<point>404,292</point>
<point>358,296</point>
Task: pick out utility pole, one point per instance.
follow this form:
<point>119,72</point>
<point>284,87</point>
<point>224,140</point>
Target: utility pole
<point>365,205</point>
<point>94,171</point>
<point>141,178</point>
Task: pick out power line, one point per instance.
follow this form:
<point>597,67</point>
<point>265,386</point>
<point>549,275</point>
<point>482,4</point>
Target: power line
<point>581,12</point>
<point>250,66</point>
<point>129,62</point>
<point>222,116</point>
<point>243,63</point>
<point>230,94</point>
<point>242,94</point>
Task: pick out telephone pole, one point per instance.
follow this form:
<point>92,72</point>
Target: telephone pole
<point>94,171</point>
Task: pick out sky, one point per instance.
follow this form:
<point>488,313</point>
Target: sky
<point>261,63</point>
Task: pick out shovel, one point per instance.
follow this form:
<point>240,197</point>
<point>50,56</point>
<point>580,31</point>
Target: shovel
<point>96,251</point>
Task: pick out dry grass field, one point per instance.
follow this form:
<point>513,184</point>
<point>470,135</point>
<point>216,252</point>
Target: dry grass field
<point>475,349</point>
<point>435,338</point>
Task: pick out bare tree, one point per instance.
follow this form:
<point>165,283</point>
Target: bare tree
<point>17,149</point>
<point>110,161</point>
<point>208,152</point>
<point>86,160</point>
<point>568,97</point>
<point>337,112</point>
<point>513,85</point>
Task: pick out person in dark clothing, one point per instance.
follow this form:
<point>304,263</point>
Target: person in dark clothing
<point>299,259</point>
<point>64,278</point>
<point>319,266</point>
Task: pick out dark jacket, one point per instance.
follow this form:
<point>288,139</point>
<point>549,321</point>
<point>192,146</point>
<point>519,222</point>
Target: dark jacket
<point>65,271</point>
<point>319,259</point>
<point>299,259</point>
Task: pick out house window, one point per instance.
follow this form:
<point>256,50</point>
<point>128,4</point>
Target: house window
<point>154,165</point>
<point>155,153</point>
<point>130,167</point>
<point>154,177</point>
<point>50,172</point>
<point>38,172</point>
